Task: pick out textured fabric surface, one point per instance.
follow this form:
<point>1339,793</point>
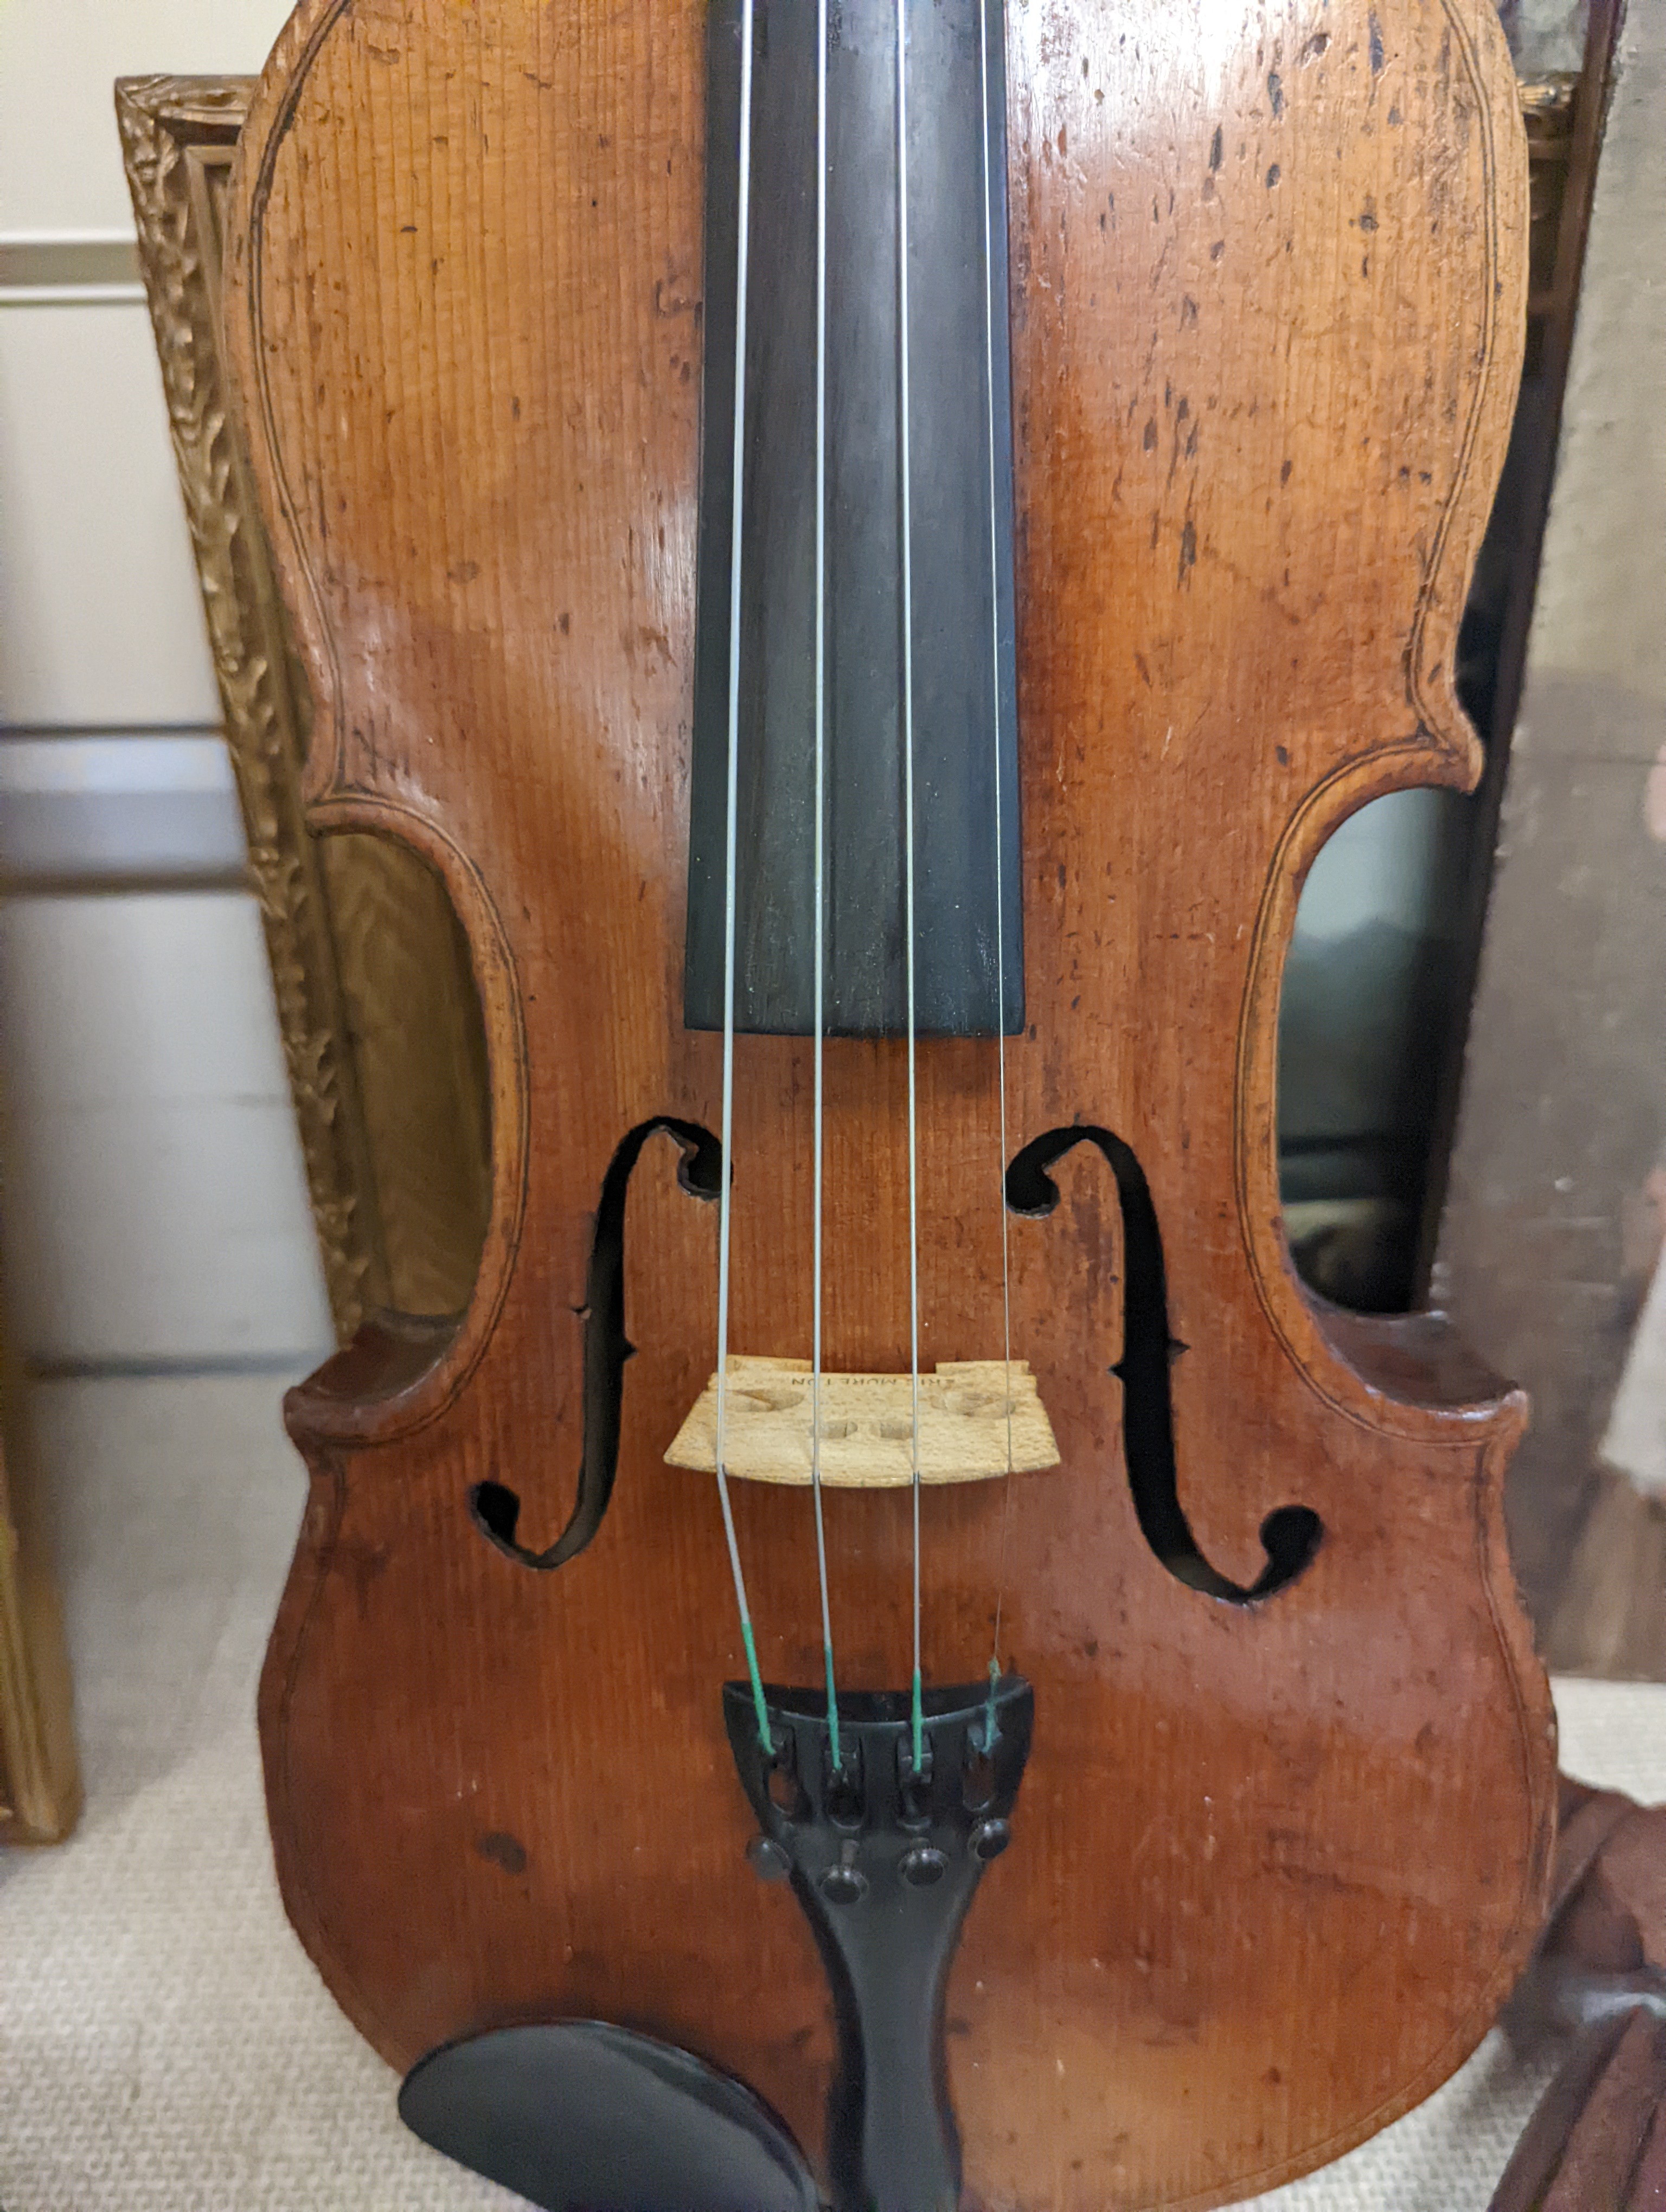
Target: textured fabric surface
<point>165,2045</point>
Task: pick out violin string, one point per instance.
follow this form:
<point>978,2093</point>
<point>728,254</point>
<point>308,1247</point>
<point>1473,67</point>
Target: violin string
<point>820,864</point>
<point>908,790</point>
<point>989,1725</point>
<point>742,245</point>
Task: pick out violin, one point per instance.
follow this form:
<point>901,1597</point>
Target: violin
<point>894,1656</point>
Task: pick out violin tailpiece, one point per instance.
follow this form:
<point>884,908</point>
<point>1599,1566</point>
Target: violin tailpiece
<point>883,1859</point>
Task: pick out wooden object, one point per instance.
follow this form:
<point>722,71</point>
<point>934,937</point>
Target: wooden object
<point>375,1003</point>
<point>972,1427</point>
<point>39,1775</point>
<point>1275,1863</point>
<point>1598,1982</point>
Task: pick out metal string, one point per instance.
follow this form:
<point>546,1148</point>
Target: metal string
<point>735,531</point>
<point>989,1725</point>
<point>908,787</point>
<point>821,804</point>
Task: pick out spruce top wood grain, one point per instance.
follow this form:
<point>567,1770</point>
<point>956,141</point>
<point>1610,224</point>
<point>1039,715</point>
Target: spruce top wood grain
<point>1275,1863</point>
<point>40,1789</point>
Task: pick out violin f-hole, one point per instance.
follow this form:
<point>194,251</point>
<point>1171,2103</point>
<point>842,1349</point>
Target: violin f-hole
<point>493,1506</point>
<point>1290,1535</point>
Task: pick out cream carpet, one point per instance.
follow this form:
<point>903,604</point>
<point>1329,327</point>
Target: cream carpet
<point>165,2045</point>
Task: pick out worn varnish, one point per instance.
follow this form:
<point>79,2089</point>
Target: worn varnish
<point>1275,1864</point>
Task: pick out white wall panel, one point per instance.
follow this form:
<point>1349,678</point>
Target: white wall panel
<point>155,1207</point>
<point>78,809</point>
<point>101,622</point>
<point>60,160</point>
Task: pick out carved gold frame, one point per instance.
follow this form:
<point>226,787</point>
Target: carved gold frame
<point>39,1777</point>
<point>376,1003</point>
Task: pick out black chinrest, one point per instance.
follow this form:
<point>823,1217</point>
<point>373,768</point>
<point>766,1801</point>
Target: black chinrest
<point>583,2116</point>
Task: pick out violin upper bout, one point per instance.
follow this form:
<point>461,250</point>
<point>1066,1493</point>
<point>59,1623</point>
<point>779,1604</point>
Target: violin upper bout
<point>465,352</point>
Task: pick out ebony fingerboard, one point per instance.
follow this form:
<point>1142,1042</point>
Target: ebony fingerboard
<point>968,956</point>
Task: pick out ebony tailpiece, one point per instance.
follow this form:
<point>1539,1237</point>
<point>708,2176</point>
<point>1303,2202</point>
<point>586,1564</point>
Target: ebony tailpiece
<point>883,1859</point>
